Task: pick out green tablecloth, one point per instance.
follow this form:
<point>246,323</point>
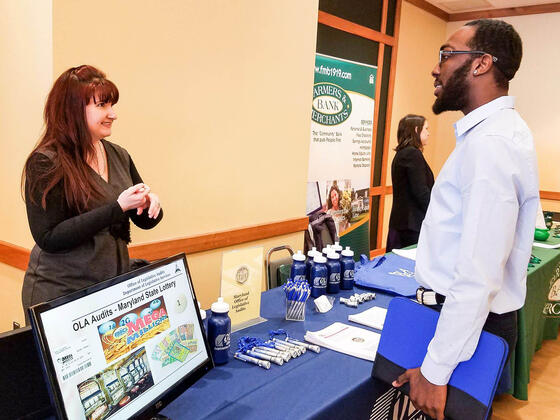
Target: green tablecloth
<point>534,326</point>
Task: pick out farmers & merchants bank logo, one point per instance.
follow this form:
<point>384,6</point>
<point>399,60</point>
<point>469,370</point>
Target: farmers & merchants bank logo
<point>331,104</point>
<point>552,307</point>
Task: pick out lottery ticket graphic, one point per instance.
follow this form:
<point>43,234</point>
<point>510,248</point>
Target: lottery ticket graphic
<point>133,328</point>
<point>176,346</point>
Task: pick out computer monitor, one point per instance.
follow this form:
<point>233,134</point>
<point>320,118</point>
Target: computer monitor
<point>125,347</point>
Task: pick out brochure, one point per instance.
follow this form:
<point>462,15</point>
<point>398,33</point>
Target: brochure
<point>347,339</point>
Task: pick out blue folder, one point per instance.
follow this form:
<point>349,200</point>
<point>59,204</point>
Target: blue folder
<point>408,329</point>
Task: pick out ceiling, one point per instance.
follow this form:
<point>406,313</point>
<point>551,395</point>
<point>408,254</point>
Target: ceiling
<point>460,6</point>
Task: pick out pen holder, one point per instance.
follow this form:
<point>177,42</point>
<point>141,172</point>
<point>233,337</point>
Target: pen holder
<point>295,310</point>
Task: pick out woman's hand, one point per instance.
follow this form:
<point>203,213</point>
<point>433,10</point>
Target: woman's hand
<point>135,197</point>
<point>153,205</point>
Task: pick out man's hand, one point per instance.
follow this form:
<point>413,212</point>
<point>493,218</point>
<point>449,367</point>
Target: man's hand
<point>425,396</point>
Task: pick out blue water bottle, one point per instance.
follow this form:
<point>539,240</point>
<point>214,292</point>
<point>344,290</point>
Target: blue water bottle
<point>297,272</point>
<point>219,330</point>
<point>333,268</point>
<point>347,269</point>
<point>319,275</point>
<point>309,264</point>
<point>337,247</point>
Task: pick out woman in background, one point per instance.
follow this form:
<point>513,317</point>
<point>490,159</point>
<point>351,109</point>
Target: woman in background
<point>81,191</point>
<point>412,183</point>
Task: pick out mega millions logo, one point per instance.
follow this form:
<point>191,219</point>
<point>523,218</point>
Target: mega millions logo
<point>331,104</point>
<point>131,329</point>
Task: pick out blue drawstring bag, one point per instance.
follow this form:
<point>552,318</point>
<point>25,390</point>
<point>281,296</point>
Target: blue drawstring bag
<point>390,273</point>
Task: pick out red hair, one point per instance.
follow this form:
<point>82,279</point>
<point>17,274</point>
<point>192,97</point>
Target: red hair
<point>67,135</point>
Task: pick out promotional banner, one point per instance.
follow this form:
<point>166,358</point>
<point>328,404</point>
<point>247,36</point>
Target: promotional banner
<point>340,147</point>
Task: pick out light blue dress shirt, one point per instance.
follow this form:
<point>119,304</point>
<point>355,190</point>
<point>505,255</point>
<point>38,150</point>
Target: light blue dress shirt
<point>475,242</point>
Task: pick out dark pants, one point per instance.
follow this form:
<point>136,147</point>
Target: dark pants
<point>502,325</point>
<point>505,326</point>
<point>397,238</point>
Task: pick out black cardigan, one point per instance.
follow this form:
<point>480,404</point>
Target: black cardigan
<point>76,250</point>
<point>412,185</point>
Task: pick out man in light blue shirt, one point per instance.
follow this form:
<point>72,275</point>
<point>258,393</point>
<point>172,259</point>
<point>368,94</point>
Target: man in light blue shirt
<point>475,242</point>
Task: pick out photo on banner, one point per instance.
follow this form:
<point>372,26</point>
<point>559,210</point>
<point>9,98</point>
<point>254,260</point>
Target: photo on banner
<point>341,147</point>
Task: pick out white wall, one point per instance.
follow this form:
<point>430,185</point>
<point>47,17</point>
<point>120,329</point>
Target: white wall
<point>25,79</point>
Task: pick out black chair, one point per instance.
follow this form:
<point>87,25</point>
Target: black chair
<point>273,275</point>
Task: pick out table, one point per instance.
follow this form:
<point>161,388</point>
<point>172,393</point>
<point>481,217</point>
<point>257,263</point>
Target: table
<point>533,326</point>
<point>333,385</point>
<point>330,385</point>
<point>327,385</point>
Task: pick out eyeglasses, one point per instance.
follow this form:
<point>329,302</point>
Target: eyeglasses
<point>445,54</point>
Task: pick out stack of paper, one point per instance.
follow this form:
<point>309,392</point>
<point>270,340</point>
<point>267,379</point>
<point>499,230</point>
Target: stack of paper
<point>346,339</point>
<point>373,317</point>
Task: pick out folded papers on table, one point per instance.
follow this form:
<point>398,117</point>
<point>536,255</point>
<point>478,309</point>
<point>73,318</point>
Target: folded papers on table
<point>373,317</point>
<point>344,338</point>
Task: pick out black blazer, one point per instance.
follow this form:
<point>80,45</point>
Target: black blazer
<point>412,184</point>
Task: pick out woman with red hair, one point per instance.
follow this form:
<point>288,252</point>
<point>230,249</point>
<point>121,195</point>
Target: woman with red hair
<point>81,191</point>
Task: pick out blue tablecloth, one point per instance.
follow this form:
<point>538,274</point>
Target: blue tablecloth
<point>325,385</point>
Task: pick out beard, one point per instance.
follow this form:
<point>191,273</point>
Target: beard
<point>455,94</point>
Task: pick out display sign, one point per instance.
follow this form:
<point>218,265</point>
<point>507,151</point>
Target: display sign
<point>242,284</point>
<point>341,145</point>
<point>113,350</point>
<point>552,307</point>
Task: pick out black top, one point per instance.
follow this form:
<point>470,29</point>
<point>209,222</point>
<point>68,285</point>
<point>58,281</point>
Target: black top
<point>412,185</point>
<point>76,250</point>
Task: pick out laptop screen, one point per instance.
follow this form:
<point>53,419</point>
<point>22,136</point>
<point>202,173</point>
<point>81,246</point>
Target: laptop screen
<point>121,347</point>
